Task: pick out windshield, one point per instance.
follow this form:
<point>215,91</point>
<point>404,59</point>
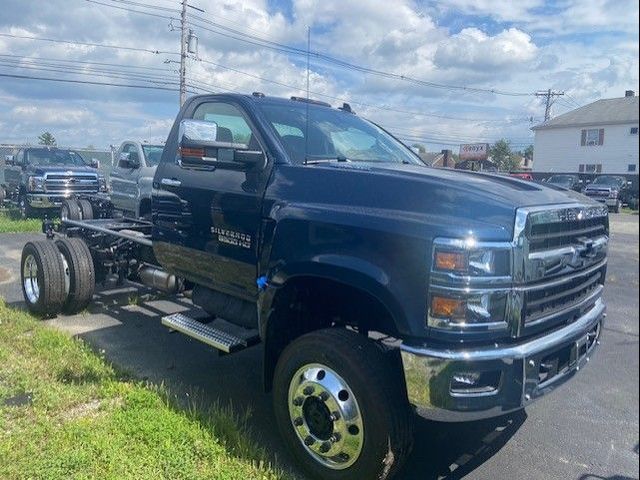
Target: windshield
<point>561,179</point>
<point>332,135</point>
<point>609,181</point>
<point>44,156</point>
<point>152,153</point>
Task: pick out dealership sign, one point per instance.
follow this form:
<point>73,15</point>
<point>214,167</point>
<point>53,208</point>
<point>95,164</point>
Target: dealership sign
<point>474,151</point>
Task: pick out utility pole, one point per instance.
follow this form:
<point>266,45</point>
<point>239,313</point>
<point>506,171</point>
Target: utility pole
<point>183,53</point>
<point>550,94</point>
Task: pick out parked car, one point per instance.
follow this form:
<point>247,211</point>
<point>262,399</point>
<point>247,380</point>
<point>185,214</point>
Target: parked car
<point>132,177</point>
<point>612,190</point>
<point>523,176</point>
<point>570,182</point>
<point>38,179</point>
<point>314,232</point>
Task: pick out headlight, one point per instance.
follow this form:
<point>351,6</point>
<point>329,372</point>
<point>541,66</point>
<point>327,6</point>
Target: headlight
<point>102,184</point>
<point>35,184</point>
<point>613,194</point>
<point>469,285</point>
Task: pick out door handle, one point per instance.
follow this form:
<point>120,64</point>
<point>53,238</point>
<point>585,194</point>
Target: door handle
<point>170,182</point>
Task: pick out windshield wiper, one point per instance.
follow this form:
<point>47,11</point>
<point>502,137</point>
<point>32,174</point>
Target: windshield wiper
<point>325,159</point>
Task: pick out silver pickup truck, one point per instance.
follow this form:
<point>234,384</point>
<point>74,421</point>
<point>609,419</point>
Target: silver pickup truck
<point>132,177</point>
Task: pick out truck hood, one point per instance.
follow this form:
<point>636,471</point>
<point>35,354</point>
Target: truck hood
<point>41,170</point>
<point>430,202</point>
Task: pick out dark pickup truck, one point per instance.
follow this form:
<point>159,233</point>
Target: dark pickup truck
<point>379,287</point>
<point>39,179</point>
<point>612,190</point>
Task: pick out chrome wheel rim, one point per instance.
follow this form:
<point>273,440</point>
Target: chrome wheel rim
<point>64,213</point>
<point>30,279</point>
<point>67,275</point>
<point>326,416</point>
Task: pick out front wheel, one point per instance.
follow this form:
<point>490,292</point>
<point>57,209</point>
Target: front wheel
<point>43,276</point>
<point>617,207</point>
<point>24,207</point>
<point>341,407</point>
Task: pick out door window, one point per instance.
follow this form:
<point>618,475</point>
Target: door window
<point>232,125</point>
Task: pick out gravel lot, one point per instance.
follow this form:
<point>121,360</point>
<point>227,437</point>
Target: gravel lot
<point>588,430</point>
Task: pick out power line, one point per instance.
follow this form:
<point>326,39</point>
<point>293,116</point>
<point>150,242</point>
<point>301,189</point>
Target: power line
<point>84,62</point>
<point>88,82</point>
<point>88,44</point>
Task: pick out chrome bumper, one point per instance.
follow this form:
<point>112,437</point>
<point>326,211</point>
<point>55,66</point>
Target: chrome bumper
<point>44,200</point>
<point>520,373</point>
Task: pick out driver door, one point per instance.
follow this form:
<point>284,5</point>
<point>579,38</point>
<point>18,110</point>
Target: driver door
<point>208,214</point>
<point>124,185</point>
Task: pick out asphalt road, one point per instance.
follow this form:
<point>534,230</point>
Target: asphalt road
<point>588,430</point>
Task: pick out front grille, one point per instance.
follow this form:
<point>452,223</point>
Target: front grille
<point>597,193</point>
<point>560,264</point>
<point>549,300</point>
<point>74,183</point>
<point>544,236</point>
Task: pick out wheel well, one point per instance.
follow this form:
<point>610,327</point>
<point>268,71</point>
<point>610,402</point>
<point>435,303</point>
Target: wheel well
<point>306,304</point>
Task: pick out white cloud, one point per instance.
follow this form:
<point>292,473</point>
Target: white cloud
<point>474,49</point>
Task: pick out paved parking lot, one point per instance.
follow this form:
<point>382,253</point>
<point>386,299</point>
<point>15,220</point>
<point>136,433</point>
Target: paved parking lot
<point>587,430</point>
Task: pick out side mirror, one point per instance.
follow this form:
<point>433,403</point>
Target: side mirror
<point>206,145</point>
<point>9,160</point>
<point>126,161</point>
<point>95,163</point>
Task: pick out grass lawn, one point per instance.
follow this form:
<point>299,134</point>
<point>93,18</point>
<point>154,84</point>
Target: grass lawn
<point>67,413</point>
<point>10,222</point>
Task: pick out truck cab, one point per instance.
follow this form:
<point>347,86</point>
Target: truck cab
<point>132,177</point>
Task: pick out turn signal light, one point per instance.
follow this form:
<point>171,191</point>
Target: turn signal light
<point>452,261</point>
<point>451,308</point>
<point>192,152</point>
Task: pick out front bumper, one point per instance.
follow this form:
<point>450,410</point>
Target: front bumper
<point>44,201</point>
<point>519,374</point>
<point>609,202</point>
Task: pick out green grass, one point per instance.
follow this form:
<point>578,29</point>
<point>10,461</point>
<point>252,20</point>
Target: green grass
<point>629,211</point>
<point>87,420</point>
<point>10,222</point>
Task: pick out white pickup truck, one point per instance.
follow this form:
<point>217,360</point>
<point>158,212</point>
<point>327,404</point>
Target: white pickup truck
<point>132,177</point>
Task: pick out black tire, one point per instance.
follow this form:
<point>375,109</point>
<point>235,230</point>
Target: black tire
<point>86,209</point>
<point>24,208</point>
<point>70,210</point>
<point>82,277</point>
<point>618,207</point>
<point>373,377</point>
<point>49,278</point>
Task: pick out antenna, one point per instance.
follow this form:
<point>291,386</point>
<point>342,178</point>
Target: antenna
<point>306,127</point>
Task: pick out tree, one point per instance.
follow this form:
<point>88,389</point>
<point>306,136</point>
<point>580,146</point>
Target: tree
<point>47,139</point>
<point>421,148</point>
<point>503,156</point>
<point>528,153</point>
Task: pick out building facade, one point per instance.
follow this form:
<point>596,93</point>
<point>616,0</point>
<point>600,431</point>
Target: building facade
<point>601,137</point>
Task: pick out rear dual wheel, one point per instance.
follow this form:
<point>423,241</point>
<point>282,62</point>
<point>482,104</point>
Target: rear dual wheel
<point>57,276</point>
<point>76,210</point>
<point>341,407</point>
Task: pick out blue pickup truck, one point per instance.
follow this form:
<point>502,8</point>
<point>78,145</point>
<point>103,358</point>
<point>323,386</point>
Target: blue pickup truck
<point>379,288</point>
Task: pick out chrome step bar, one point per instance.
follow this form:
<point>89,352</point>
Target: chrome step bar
<point>219,334</point>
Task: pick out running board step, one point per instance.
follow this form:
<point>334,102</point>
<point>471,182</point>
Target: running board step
<point>220,334</point>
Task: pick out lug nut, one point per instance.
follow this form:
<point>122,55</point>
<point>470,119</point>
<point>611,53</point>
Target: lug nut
<point>298,422</point>
<point>298,401</point>
<point>335,438</point>
<point>308,390</point>
<point>335,416</point>
<point>324,396</point>
<point>325,447</point>
<point>309,441</point>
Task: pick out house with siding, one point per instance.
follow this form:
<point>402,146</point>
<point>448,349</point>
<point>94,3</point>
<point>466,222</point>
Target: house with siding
<point>601,137</point>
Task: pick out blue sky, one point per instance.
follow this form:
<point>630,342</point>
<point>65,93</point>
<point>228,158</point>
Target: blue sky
<point>586,48</point>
